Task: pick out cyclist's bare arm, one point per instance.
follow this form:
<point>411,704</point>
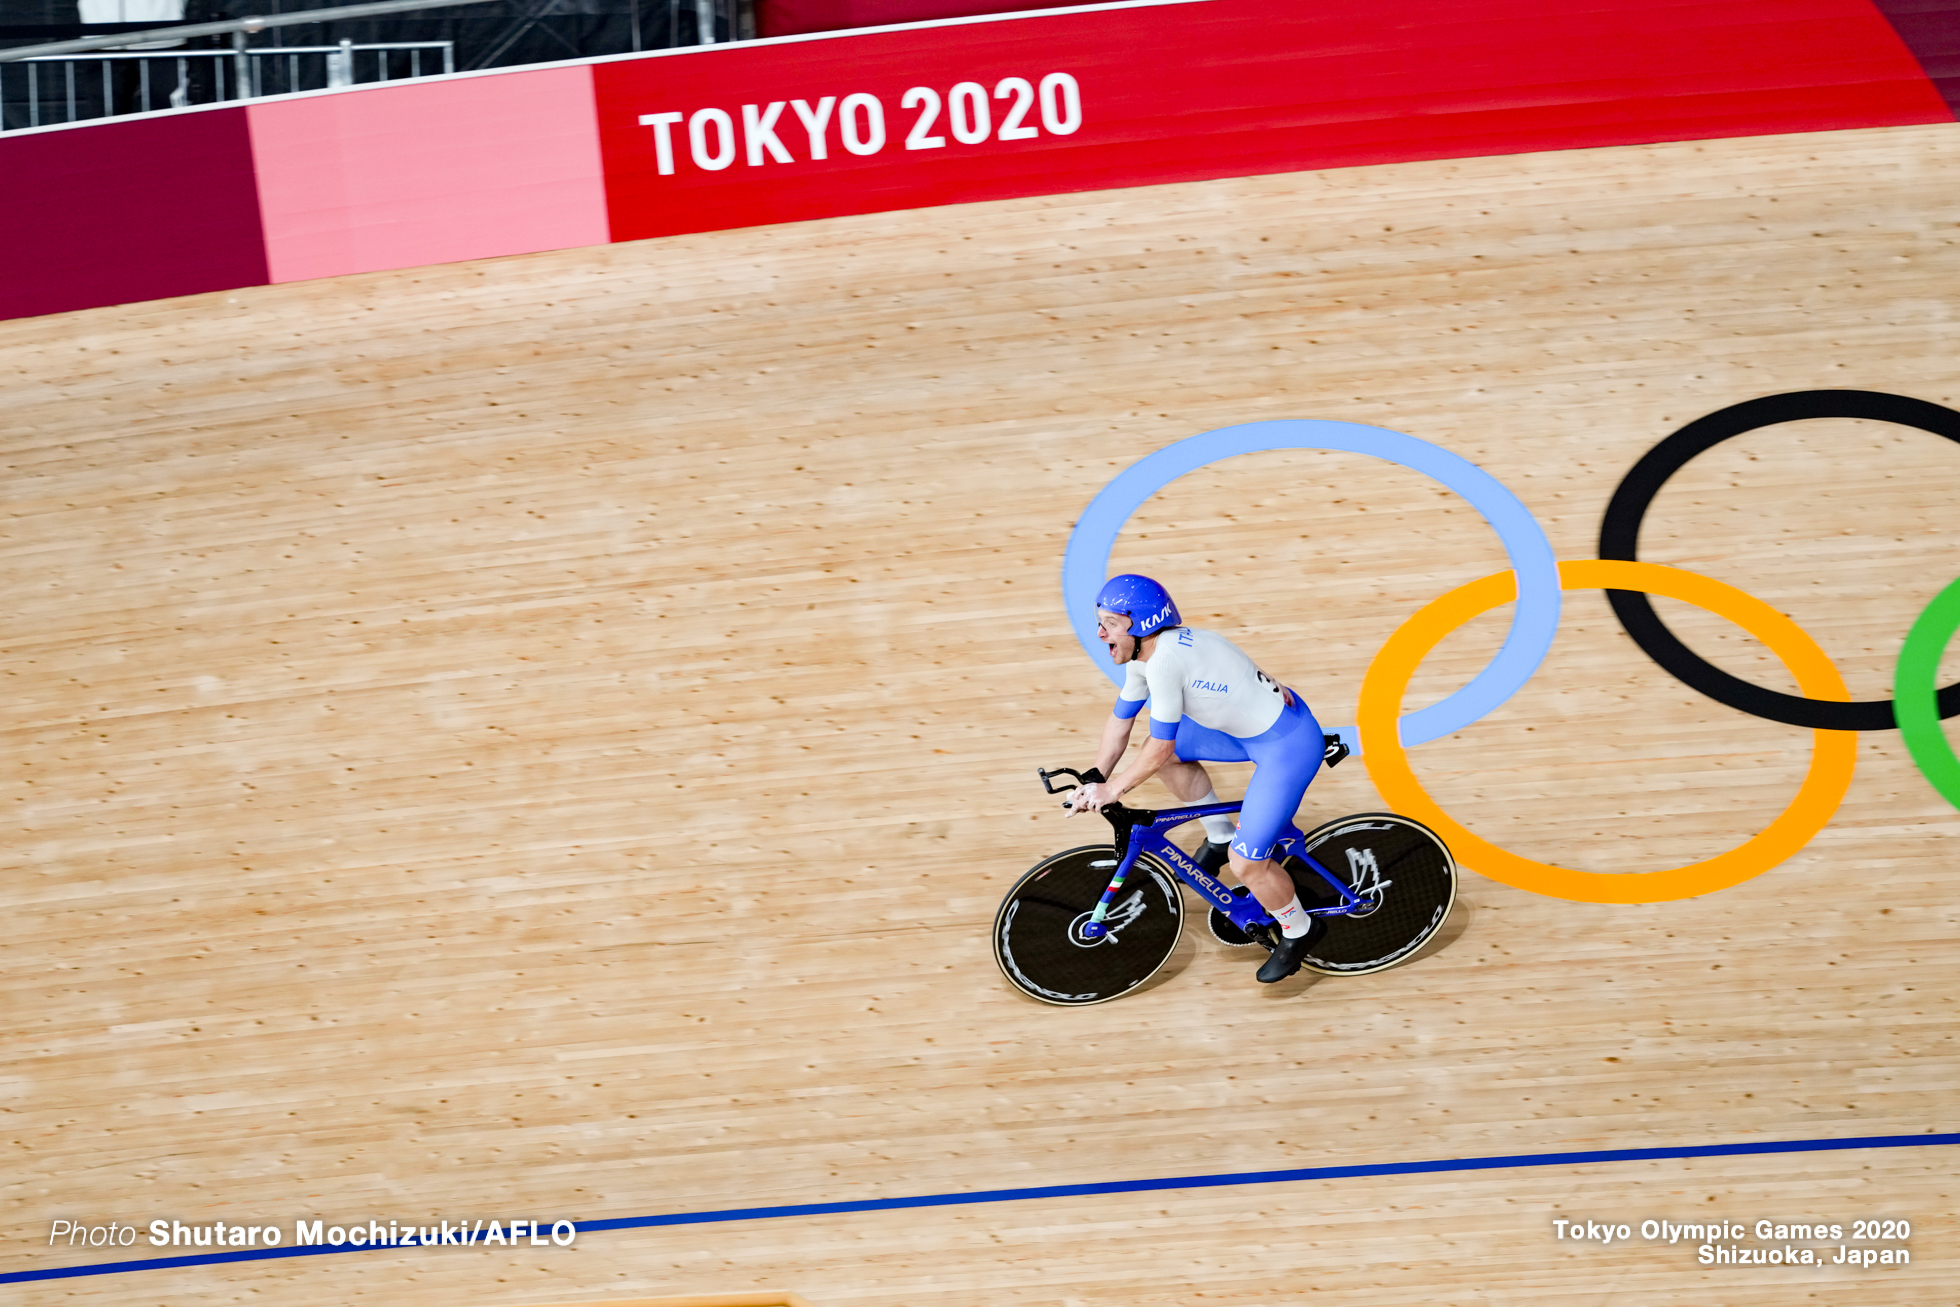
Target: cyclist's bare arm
<point>1115,743</point>
<point>1151,759</point>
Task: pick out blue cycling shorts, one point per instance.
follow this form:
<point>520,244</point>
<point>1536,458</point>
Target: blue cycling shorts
<point>1285,757</point>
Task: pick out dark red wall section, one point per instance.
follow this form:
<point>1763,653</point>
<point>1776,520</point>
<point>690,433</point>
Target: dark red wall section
<point>128,211</point>
<point>1238,87</point>
<point>1931,28</point>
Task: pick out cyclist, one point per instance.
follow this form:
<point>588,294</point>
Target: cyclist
<point>1208,702</point>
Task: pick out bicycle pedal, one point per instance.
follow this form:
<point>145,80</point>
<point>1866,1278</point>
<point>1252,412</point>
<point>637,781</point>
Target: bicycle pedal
<point>1337,749</point>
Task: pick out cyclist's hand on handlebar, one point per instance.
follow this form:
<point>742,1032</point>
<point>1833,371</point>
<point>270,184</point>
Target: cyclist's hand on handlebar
<point>1091,798</point>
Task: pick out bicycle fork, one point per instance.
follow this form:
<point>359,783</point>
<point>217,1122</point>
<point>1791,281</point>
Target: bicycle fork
<point>1093,929</point>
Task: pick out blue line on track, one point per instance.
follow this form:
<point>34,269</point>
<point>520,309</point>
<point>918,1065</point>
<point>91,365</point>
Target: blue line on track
<point>1290,1175</point>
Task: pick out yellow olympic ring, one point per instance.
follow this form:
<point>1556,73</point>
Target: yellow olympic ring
<point>1833,753</point>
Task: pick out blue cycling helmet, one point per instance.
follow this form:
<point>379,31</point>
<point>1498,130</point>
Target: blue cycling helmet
<point>1147,604</point>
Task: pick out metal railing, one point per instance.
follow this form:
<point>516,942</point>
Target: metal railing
<point>80,87</point>
<point>139,70</point>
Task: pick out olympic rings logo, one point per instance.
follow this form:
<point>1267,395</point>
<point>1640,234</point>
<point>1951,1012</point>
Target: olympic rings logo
<point>1535,582</point>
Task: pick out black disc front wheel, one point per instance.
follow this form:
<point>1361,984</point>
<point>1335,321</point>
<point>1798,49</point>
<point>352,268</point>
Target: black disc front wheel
<point>1402,873</point>
<point>1038,931</point>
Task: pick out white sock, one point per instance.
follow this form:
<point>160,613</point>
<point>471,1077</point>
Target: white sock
<point>1293,919</point>
<point>1219,829</point>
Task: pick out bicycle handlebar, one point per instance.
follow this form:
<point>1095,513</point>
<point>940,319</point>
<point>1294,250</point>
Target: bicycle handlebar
<point>1116,814</point>
<point>1336,750</point>
<point>1093,776</point>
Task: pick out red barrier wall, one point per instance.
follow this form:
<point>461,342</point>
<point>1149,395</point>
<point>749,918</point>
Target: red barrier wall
<point>1230,88</point>
<point>770,132</point>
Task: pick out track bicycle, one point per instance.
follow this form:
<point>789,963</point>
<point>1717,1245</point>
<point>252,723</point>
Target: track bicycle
<point>1091,924</point>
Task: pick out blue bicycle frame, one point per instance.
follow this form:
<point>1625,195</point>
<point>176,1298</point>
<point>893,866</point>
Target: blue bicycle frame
<point>1140,831</point>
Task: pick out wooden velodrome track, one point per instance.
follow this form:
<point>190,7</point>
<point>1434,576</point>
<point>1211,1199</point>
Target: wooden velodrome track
<point>546,738</point>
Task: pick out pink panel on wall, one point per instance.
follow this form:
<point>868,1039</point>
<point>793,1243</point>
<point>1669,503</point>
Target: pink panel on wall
<point>429,172</point>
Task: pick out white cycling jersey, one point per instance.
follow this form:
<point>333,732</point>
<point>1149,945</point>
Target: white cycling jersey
<point>1205,676</point>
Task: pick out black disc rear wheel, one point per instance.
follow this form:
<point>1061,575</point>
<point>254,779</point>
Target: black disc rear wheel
<point>1396,866</point>
<point>1038,930</point>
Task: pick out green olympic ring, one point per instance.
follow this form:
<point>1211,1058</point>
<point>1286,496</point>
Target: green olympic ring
<point>1913,693</point>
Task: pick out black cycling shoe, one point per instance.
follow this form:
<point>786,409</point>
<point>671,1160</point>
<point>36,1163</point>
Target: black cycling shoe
<point>1212,855</point>
<point>1287,955</point>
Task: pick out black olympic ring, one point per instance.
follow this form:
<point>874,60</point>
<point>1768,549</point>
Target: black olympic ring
<point>1619,538</point>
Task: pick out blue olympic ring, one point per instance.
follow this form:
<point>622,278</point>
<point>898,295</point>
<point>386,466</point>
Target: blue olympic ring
<point>1085,565</point>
